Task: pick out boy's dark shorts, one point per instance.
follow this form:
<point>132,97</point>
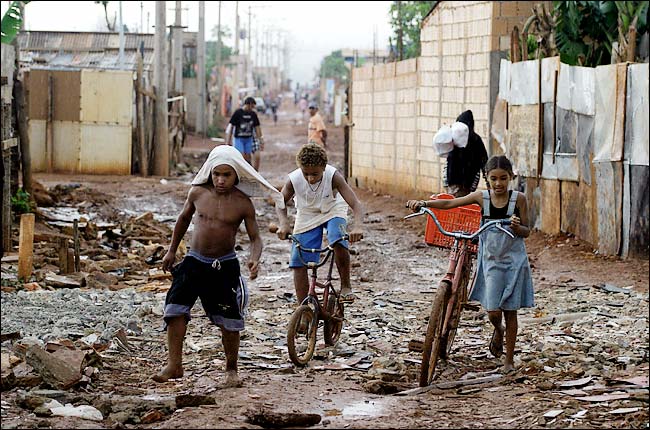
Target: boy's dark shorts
<point>223,292</point>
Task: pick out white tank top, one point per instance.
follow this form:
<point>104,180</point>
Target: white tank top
<point>316,204</point>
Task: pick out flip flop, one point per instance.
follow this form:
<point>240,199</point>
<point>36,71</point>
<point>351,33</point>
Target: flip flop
<point>347,298</point>
<point>496,350</point>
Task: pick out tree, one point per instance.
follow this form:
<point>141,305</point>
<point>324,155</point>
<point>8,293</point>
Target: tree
<point>333,66</point>
<point>111,27</point>
<point>211,50</point>
<point>12,21</point>
<point>405,20</point>
<point>585,32</point>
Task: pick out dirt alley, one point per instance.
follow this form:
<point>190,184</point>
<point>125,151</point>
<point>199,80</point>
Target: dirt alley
<point>393,274</point>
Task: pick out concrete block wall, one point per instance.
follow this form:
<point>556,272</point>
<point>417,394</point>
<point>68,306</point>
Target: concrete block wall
<point>398,107</point>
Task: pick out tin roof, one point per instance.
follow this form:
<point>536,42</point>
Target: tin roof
<point>64,49</point>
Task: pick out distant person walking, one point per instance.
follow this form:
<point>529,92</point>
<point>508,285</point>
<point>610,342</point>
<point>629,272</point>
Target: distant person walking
<point>244,122</point>
<point>316,132</point>
<point>302,105</point>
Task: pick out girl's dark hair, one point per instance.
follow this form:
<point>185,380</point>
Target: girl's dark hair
<point>499,162</point>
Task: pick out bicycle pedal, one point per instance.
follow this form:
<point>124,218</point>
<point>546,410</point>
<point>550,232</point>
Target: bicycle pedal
<point>470,307</point>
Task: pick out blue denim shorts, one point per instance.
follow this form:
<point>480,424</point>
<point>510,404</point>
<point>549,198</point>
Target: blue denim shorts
<point>244,144</point>
<point>336,228</point>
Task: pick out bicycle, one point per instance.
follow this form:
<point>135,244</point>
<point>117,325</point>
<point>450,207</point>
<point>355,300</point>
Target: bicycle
<point>451,295</point>
<point>311,310</point>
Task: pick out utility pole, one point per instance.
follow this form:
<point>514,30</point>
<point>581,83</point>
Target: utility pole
<point>141,16</point>
<point>120,55</point>
<point>177,44</point>
<point>218,61</point>
<point>201,65</point>
<point>161,144</point>
<point>235,96</point>
<point>248,57</point>
<point>400,47</point>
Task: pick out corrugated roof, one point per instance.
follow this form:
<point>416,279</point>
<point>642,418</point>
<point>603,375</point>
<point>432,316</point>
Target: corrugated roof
<point>60,49</point>
<point>81,41</point>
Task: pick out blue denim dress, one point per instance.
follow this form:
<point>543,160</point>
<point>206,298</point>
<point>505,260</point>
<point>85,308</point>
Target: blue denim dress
<point>503,280</point>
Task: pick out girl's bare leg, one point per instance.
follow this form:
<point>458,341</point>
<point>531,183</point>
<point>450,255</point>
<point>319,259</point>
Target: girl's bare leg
<point>511,337</point>
<point>495,318</point>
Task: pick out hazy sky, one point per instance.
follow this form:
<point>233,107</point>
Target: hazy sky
<point>314,28</point>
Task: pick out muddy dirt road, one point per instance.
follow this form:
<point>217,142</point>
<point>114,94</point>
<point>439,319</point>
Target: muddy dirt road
<point>582,351</point>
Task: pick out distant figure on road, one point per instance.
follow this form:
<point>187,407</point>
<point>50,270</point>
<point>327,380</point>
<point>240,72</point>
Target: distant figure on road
<point>302,105</point>
<point>244,121</point>
<point>316,132</point>
<point>219,197</point>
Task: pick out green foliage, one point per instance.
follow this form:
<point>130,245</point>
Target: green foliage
<point>408,16</point>
<point>333,66</point>
<point>21,202</point>
<point>211,50</point>
<point>585,30</point>
<point>12,21</point>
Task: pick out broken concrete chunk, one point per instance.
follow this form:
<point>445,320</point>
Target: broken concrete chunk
<point>54,371</point>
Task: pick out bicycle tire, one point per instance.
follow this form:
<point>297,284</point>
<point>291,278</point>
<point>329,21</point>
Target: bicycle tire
<point>332,328</point>
<point>462,274</point>
<point>431,347</point>
<point>297,357</point>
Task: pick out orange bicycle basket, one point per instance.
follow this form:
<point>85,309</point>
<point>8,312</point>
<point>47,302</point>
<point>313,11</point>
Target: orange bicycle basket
<point>463,218</point>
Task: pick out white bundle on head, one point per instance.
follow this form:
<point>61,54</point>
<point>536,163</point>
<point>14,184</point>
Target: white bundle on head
<point>460,134</point>
<point>250,182</point>
<point>442,141</point>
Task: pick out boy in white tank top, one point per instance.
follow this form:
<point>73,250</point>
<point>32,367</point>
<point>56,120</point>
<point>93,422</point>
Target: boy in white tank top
<point>322,197</point>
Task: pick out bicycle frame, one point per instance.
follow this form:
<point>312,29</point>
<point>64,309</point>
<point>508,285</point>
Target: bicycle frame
<point>327,286</point>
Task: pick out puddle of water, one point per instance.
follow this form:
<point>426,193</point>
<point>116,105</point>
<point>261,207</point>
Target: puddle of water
<point>368,408</point>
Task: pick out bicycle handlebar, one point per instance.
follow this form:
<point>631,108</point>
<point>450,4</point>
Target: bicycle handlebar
<point>499,223</point>
<point>314,250</point>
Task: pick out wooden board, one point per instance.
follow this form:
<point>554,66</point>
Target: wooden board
<point>105,149</point>
<point>609,206</point>
<point>550,206</point>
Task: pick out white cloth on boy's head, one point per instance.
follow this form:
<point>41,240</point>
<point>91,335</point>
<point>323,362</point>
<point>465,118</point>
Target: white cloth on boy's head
<point>250,183</point>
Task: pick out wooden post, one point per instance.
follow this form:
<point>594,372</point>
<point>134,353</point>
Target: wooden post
<point>200,123</point>
<point>63,256</point>
<point>26,247</point>
<point>49,133</point>
<point>77,257</point>
<point>25,154</point>
<point>142,153</point>
<point>161,148</point>
<point>6,201</point>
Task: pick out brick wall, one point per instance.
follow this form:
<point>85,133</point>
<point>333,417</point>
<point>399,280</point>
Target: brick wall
<point>397,108</point>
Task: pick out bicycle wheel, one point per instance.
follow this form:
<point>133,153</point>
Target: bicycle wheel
<point>462,274</point>
<point>333,326</point>
<point>431,348</point>
<point>301,345</point>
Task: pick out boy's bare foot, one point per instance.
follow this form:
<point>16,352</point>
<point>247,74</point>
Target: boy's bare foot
<point>232,380</point>
<point>168,373</point>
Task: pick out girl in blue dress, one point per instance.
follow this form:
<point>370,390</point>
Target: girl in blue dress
<point>503,281</point>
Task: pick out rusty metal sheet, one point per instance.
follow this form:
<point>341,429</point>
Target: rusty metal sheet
<point>533,192</point>
<point>107,97</point>
<point>67,146</point>
<point>609,185</point>
<point>36,133</point>
<point>521,139</point>
<point>550,207</point>
<point>105,149</point>
<point>66,95</point>
<point>639,211</point>
<point>36,94</point>
<point>578,210</point>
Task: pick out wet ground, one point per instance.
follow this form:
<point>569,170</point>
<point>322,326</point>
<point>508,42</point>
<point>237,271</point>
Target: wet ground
<point>578,331</point>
